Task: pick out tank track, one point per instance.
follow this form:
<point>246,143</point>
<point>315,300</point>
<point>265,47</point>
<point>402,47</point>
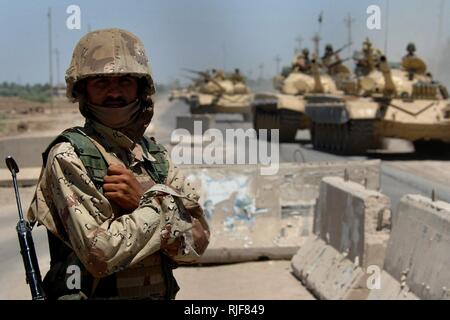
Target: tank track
<point>288,122</point>
<point>351,138</point>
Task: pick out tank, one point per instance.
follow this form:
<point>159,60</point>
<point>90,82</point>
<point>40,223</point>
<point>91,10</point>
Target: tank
<point>285,108</point>
<point>182,94</point>
<point>391,102</point>
<point>221,93</point>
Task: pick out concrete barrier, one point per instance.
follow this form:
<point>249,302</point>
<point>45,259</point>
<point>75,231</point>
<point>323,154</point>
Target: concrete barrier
<point>353,219</point>
<point>27,151</point>
<point>418,253</point>
<point>351,226</point>
<point>325,271</point>
<point>254,216</point>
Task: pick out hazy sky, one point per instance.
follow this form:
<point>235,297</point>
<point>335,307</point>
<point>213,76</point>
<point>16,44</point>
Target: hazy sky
<point>202,34</point>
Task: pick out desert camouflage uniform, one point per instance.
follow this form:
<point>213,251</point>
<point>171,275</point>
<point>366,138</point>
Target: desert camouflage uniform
<point>105,239</point>
<point>123,247</point>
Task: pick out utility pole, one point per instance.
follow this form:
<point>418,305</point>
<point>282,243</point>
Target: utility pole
<point>261,71</point>
<point>316,39</point>
<point>439,34</point>
<point>386,33</point>
<point>224,51</point>
<point>50,62</point>
<point>57,67</point>
<point>277,61</point>
<point>348,23</point>
<point>299,40</point>
<point>250,74</point>
<point>441,19</point>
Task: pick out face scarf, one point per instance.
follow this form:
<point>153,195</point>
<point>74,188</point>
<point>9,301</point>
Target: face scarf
<point>116,118</point>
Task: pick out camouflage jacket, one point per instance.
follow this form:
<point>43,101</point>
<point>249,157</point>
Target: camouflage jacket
<point>69,205</point>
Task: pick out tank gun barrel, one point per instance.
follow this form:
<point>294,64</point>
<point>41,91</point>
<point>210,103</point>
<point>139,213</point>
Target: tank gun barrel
<point>207,77</point>
<point>389,86</point>
<point>318,87</point>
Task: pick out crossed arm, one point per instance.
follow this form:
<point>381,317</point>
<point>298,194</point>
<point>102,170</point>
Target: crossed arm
<point>106,242</point>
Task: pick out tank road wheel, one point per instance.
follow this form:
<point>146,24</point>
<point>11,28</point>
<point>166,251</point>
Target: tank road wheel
<point>290,122</point>
<point>287,122</point>
<point>358,137</point>
<point>317,139</point>
<point>247,117</point>
<point>263,119</point>
<point>315,135</point>
<point>353,137</point>
<point>432,148</point>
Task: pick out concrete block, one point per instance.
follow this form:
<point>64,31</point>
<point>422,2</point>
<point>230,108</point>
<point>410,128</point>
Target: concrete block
<point>235,255</point>
<point>418,253</point>
<point>278,208</point>
<point>391,289</point>
<point>325,271</point>
<point>27,151</point>
<point>25,178</point>
<point>353,220</point>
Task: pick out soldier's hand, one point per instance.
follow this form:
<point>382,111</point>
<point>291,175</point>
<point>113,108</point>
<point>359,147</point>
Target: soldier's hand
<point>171,250</point>
<point>121,187</point>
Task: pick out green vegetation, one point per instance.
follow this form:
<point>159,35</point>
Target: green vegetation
<point>36,92</point>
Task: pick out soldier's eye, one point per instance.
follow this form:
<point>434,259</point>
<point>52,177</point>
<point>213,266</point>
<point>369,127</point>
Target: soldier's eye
<point>125,81</point>
<point>101,83</point>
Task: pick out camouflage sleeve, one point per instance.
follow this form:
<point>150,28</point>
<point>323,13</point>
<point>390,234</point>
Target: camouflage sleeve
<point>104,242</point>
<point>188,198</point>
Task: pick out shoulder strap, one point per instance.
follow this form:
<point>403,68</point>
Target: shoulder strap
<point>90,156</point>
<point>158,169</point>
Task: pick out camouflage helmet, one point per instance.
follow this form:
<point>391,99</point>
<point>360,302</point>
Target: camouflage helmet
<point>411,47</point>
<point>108,52</point>
<point>328,48</point>
<point>367,45</point>
<point>305,51</point>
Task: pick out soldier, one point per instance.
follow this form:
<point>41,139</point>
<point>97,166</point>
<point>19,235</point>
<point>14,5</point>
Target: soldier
<point>237,76</point>
<point>329,57</point>
<point>115,207</point>
<point>219,75</point>
<point>411,62</point>
<point>367,60</point>
<point>301,62</point>
<point>411,49</point>
<point>333,63</point>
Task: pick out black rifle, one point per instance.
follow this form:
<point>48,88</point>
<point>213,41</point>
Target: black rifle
<point>337,62</point>
<point>207,77</point>
<point>342,48</point>
<point>33,275</point>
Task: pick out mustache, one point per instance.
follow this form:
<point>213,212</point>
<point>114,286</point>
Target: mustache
<point>119,101</point>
